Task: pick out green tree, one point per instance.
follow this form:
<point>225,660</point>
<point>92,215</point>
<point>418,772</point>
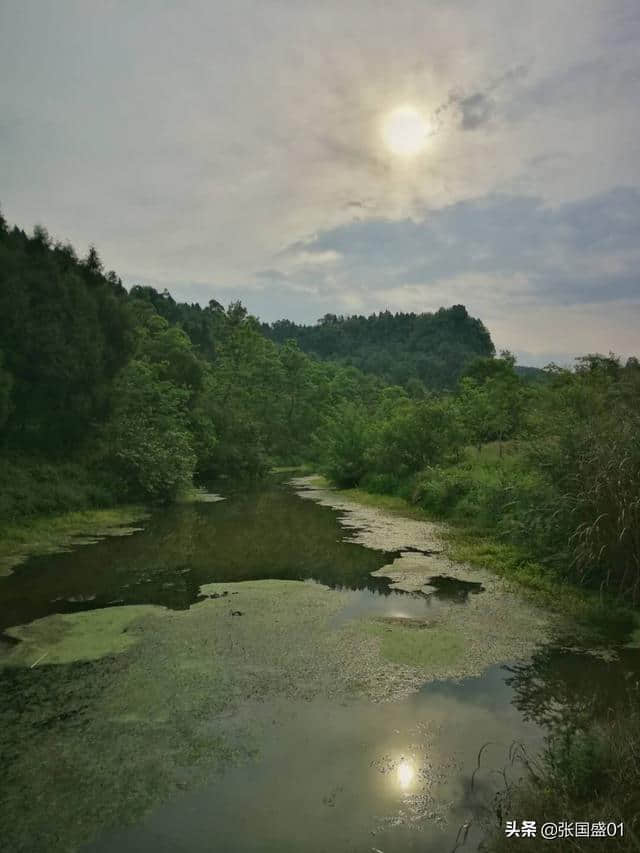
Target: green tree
<point>148,439</point>
<point>344,445</point>
<point>415,436</point>
<point>491,399</point>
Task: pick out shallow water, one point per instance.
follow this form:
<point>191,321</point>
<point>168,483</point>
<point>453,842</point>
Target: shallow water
<point>355,777</point>
<point>263,533</point>
<point>161,748</point>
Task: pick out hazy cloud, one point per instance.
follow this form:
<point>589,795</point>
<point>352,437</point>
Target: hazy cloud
<point>503,256</point>
<point>199,143</point>
<point>476,110</point>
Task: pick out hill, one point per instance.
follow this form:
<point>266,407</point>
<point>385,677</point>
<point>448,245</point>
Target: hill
<point>431,348</point>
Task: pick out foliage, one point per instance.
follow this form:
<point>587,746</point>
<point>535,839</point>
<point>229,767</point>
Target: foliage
<point>136,393</point>
<point>404,349</point>
<point>491,398</point>
<point>6,385</point>
<point>345,442</point>
<point>148,440</point>
<point>65,331</point>
<point>414,436</point>
<point>555,470</point>
<point>585,441</point>
<point>35,486</point>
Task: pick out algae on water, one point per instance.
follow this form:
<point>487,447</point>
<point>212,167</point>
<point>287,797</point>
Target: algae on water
<point>69,637</point>
<point>431,647</point>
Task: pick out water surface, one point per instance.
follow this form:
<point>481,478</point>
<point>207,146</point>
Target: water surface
<point>163,747</point>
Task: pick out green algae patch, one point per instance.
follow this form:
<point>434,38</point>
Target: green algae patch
<point>278,638</point>
<point>66,638</point>
<point>150,692</point>
<point>58,533</point>
<point>427,647</point>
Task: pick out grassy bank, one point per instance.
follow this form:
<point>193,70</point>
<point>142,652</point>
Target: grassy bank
<point>53,533</point>
<point>596,612</point>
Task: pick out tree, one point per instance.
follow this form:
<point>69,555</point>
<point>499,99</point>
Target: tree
<point>430,348</point>
<point>344,441</point>
<point>414,436</point>
<point>92,262</point>
<point>491,398</point>
<point>41,236</point>
<point>148,438</point>
<point>475,411</point>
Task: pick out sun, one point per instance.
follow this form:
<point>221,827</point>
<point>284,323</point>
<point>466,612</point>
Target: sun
<point>405,131</point>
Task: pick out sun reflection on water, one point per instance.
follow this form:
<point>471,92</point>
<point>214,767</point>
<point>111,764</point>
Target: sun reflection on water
<point>406,774</point>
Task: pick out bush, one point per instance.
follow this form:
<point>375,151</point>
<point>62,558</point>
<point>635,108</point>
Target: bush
<point>439,490</point>
<point>415,435</point>
<point>345,442</point>
<point>383,484</point>
<point>33,487</point>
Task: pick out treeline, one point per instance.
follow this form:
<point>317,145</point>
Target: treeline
<point>416,351</point>
<point>560,477</point>
<point>109,396</point>
<point>113,395</point>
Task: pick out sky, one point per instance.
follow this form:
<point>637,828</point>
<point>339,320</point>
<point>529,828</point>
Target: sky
<point>237,150</point>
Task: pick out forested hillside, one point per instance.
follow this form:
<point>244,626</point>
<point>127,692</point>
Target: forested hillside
<point>431,349</point>
<point>109,396</point>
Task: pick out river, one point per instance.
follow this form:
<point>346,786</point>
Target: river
<point>279,670</point>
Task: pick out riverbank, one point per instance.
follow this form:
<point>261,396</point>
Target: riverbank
<point>596,613</point>
<point>53,534</point>
<point>586,773</point>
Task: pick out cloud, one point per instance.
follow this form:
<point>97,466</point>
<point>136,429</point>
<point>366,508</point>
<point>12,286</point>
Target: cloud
<point>579,252</point>
<point>476,110</point>
<point>502,256</point>
<point>197,143</point>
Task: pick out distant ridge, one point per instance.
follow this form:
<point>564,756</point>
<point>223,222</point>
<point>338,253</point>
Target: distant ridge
<point>430,348</point>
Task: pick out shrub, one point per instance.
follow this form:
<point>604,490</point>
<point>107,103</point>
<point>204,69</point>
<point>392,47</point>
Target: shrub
<point>345,442</point>
<point>33,487</point>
